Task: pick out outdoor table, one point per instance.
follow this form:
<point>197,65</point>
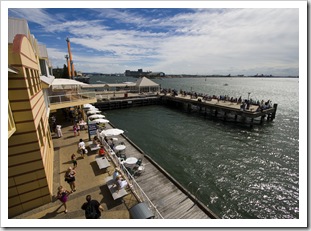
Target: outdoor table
<point>82,125</point>
<point>130,162</point>
<point>93,147</point>
<point>102,162</point>
<point>120,147</point>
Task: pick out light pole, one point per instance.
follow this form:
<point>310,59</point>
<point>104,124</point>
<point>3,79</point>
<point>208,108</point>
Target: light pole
<point>248,96</point>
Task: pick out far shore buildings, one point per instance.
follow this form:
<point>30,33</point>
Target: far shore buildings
<point>141,73</point>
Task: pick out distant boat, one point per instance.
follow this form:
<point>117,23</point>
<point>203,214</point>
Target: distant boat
<point>226,84</point>
<point>83,79</point>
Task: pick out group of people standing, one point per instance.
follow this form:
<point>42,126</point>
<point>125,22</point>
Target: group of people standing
<point>91,207</point>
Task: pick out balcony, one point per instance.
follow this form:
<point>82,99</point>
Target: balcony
<point>69,100</point>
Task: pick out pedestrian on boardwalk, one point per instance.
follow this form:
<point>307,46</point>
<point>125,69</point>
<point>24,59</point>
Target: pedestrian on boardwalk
<point>62,195</point>
<point>78,129</point>
<point>102,151</point>
<point>74,160</point>
<point>75,129</point>
<point>59,131</point>
<point>70,178</point>
<point>92,208</point>
<point>81,147</point>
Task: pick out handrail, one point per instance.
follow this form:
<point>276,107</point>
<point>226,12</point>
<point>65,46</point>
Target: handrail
<point>55,99</point>
<point>130,177</point>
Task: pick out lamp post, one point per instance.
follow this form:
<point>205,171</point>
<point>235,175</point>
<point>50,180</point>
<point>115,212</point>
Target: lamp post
<point>248,96</point>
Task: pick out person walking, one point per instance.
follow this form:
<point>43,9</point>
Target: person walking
<point>78,129</point>
<point>59,131</point>
<point>70,178</point>
<point>74,160</point>
<point>75,130</point>
<point>62,195</point>
<point>92,208</point>
<point>81,147</point>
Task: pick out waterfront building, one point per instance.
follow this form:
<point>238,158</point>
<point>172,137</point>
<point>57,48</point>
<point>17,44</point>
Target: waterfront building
<point>30,147</point>
<point>141,73</point>
<point>31,99</point>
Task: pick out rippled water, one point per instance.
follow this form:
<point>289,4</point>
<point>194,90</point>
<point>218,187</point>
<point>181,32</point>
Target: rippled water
<point>238,172</point>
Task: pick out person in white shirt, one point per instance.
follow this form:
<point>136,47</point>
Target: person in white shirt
<point>82,148</point>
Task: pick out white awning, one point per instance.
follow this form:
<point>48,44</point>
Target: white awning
<point>66,84</point>
<point>145,82</point>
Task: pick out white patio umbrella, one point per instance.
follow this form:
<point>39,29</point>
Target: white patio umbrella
<point>96,116</point>
<point>87,106</point>
<point>92,108</point>
<point>93,112</point>
<point>101,121</point>
<point>111,132</point>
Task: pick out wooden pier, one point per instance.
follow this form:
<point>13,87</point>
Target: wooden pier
<point>171,199</point>
<point>226,110</point>
<point>220,109</point>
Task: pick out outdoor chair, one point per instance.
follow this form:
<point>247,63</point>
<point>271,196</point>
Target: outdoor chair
<point>139,167</point>
<point>139,170</point>
<point>122,156</point>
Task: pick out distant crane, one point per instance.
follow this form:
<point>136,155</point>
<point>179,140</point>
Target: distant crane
<point>70,64</point>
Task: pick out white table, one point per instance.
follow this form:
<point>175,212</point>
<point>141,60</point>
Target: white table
<point>102,162</point>
<point>82,125</point>
<point>130,162</point>
<point>120,147</point>
<point>114,189</point>
<point>93,147</point>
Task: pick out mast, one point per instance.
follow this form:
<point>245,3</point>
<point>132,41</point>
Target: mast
<point>70,59</point>
<point>68,65</point>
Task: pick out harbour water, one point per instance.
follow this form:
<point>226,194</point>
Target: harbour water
<point>237,171</point>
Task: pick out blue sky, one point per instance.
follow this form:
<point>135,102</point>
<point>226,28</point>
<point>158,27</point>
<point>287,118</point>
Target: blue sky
<point>173,40</point>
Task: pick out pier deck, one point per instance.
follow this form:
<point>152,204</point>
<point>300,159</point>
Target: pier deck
<point>225,106</point>
<point>170,199</point>
<point>225,110</point>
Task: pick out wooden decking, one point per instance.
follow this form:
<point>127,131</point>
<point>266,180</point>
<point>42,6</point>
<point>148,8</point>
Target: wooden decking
<point>170,199</point>
<point>221,109</point>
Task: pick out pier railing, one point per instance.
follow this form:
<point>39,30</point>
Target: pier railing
<point>66,98</point>
<point>136,189</point>
<point>140,193</point>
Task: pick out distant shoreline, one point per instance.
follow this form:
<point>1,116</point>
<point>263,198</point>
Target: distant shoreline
<point>218,76</point>
<point>192,76</point>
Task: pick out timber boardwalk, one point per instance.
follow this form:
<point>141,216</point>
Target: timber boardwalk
<point>170,199</point>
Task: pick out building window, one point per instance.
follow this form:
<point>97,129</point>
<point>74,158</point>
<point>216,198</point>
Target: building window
<point>40,133</point>
<point>43,67</point>
<point>28,78</point>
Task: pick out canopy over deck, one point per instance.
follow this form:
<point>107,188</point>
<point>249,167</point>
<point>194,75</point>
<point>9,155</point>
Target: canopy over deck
<point>142,85</point>
<point>66,84</point>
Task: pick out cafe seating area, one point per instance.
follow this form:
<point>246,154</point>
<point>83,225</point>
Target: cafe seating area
<point>114,156</point>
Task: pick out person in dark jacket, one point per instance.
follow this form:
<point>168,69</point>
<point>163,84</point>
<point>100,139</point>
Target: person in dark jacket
<point>92,208</point>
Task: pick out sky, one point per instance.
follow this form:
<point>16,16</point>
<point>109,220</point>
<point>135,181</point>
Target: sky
<point>199,40</point>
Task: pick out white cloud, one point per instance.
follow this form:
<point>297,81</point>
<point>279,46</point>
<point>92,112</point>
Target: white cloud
<point>201,41</point>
